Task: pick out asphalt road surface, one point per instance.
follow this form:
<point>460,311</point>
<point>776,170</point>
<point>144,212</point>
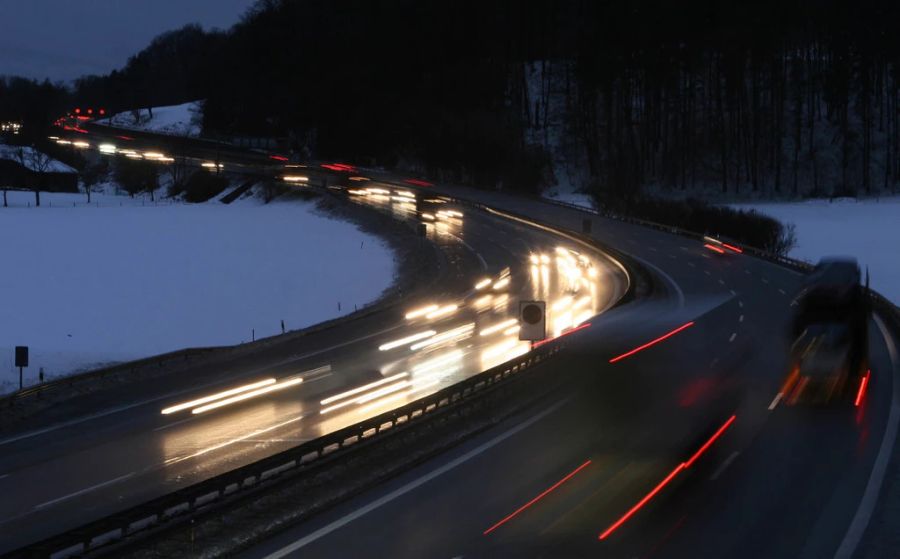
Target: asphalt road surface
<point>683,449</point>
<point>120,449</point>
<point>673,441</point>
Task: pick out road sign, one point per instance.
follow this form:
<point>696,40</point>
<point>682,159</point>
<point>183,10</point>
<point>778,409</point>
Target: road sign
<point>21,360</point>
<point>532,320</point>
<point>21,356</point>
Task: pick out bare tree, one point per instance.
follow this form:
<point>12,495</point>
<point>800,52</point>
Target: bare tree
<point>93,174</point>
<point>37,163</point>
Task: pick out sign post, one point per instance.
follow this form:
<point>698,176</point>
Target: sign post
<point>532,321</point>
<point>21,360</point>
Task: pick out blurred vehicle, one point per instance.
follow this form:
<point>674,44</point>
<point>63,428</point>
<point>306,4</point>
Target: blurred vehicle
<point>829,329</point>
<point>721,245</point>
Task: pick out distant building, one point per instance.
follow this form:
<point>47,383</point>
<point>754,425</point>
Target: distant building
<point>21,167</point>
<point>10,127</point>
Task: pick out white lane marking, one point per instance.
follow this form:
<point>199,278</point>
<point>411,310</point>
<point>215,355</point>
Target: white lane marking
<point>741,304</point>
<point>782,291</point>
<point>83,491</point>
<point>775,401</point>
<point>667,277</point>
<point>733,336</point>
<point>692,265</point>
<point>477,254</point>
<point>706,272</point>
<point>653,249</point>
<point>722,282</point>
<point>347,519</point>
<point>741,318</point>
<point>230,442</point>
<point>673,257</point>
<point>873,487</point>
<point>185,420</point>
<point>765,280</point>
<point>217,382</point>
<point>4,475</point>
<point>733,292</point>
<point>724,465</point>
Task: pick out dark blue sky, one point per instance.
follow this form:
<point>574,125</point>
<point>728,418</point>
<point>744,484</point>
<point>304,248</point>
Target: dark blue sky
<point>64,39</point>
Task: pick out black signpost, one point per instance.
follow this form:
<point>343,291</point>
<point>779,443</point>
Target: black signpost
<point>21,360</point>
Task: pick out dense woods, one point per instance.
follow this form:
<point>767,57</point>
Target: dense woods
<point>790,98</point>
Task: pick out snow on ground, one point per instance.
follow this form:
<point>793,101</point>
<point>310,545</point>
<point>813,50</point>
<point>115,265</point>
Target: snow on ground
<point>547,90</point>
<point>125,278</point>
<point>176,120</point>
<point>866,229</point>
<point>573,198</point>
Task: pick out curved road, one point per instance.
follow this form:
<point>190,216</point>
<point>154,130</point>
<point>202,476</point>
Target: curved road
<point>119,449</point>
<point>681,449</point>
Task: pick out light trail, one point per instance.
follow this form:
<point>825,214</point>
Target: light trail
<point>406,340</point>
<point>421,312</point>
<point>651,343</point>
<point>459,332</point>
<point>362,388</point>
<point>218,396</point>
<point>247,395</point>
<point>499,326</point>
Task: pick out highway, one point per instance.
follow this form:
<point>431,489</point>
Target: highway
<point>119,449</point>
<point>681,450</point>
<point>672,440</point>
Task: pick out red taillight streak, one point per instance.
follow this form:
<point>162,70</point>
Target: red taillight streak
<point>418,182</point>
<point>278,157</point>
<point>342,167</point>
<point>714,248</point>
<point>128,138</point>
<point>642,502</point>
<point>710,441</point>
<point>862,389</point>
<point>663,483</point>
<point>734,248</point>
<point>566,333</point>
<point>536,499</point>
<point>651,343</point>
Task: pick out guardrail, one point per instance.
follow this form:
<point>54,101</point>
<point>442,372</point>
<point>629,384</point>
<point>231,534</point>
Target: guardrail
<point>182,356</point>
<point>221,489</point>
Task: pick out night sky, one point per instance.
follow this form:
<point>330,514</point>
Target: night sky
<point>64,39</point>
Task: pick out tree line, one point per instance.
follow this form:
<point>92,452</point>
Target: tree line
<point>788,98</point>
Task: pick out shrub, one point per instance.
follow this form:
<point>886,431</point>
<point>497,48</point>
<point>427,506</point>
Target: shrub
<point>744,226</point>
<point>136,176</point>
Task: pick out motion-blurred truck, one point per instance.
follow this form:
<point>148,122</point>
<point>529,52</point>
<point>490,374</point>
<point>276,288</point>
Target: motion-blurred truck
<point>829,332</point>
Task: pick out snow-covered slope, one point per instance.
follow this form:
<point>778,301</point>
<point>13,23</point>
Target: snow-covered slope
<point>866,229</point>
<point>123,278</point>
<point>33,159</point>
<point>548,126</point>
<point>176,120</point>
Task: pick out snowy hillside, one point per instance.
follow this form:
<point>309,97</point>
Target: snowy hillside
<point>123,279</point>
<point>176,120</point>
<point>549,128</point>
<point>33,159</point>
<point>866,229</point>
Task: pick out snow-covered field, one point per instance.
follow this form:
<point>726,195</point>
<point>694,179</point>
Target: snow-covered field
<point>866,229</point>
<point>176,120</point>
<point>124,278</point>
